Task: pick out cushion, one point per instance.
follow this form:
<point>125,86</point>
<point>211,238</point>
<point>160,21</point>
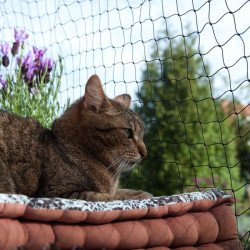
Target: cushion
<point>198,220</point>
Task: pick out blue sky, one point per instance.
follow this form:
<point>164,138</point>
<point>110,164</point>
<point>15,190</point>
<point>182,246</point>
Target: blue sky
<point>114,38</point>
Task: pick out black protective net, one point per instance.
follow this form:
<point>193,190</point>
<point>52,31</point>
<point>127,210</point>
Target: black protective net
<point>186,66</point>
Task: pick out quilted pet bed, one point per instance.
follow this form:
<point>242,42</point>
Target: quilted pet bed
<point>199,220</point>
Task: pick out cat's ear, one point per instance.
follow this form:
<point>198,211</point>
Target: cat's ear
<point>94,97</point>
<point>124,99</point>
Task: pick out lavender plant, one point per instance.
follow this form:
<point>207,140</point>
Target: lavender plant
<point>29,82</point>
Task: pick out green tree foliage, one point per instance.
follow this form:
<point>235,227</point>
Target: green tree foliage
<point>191,144</point>
<point>243,146</point>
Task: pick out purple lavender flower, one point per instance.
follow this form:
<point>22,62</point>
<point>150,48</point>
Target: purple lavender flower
<point>34,67</point>
<point>30,74</point>
<point>28,67</point>
<point>3,82</point>
<point>20,36</point>
<point>5,48</point>
<point>39,53</point>
<point>46,64</point>
<point>26,60</point>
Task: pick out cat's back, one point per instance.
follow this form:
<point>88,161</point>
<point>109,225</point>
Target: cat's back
<point>18,135</point>
<point>10,119</point>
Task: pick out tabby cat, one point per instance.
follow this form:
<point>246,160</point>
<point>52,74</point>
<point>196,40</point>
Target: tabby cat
<point>83,154</point>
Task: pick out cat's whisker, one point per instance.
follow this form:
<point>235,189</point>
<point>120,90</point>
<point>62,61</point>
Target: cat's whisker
<point>121,166</point>
<point>118,170</point>
<point>116,161</point>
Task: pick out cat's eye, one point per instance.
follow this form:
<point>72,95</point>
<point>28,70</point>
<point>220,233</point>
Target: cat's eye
<point>129,133</point>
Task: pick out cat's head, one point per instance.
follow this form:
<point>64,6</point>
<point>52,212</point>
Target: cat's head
<point>105,128</point>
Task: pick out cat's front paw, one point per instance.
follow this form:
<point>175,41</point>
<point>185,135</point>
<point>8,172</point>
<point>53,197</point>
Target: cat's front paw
<point>141,195</point>
<point>129,194</point>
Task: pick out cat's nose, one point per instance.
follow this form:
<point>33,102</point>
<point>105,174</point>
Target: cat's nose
<point>142,151</point>
<point>143,154</point>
